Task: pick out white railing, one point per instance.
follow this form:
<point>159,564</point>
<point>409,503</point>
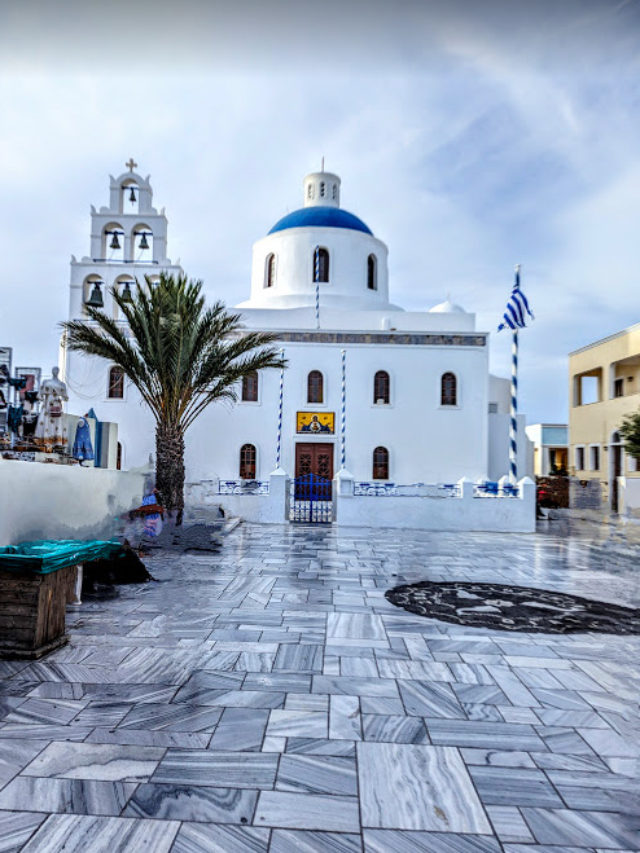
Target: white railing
<point>491,489</point>
<point>243,487</point>
<point>411,490</point>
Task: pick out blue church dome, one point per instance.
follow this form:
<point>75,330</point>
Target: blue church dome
<point>320,217</point>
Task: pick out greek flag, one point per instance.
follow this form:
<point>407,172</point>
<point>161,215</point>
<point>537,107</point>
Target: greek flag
<point>515,315</point>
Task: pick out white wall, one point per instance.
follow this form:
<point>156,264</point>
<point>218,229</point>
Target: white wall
<point>492,514</point>
<point>45,501</point>
<point>87,384</point>
<point>427,442</point>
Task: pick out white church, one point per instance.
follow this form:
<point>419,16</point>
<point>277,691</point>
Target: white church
<point>385,397</point>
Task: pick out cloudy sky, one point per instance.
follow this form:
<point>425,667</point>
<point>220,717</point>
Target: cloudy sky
<point>469,136</point>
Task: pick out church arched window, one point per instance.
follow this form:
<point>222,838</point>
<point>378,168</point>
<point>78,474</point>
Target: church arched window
<point>448,390</point>
<point>321,264</point>
<point>116,383</point>
<point>372,272</point>
<point>250,387</point>
<point>315,388</point>
<point>381,387</point>
<point>248,462</point>
<point>270,270</point>
<point>381,463</point>
<point>322,189</point>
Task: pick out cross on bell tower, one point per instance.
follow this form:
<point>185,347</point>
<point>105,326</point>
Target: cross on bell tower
<point>131,165</point>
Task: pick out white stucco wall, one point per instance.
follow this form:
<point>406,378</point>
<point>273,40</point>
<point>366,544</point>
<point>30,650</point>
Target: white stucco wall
<point>427,442</point>
<point>45,501</point>
<point>500,515</point>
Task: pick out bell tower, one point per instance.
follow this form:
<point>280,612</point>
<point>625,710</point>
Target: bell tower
<point>128,240</point>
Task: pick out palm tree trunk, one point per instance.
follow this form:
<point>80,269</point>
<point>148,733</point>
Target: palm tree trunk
<point>170,468</point>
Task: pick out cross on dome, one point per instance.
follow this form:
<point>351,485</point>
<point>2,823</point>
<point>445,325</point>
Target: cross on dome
<point>131,165</point>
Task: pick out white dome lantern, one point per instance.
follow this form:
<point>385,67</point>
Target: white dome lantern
<point>354,262</point>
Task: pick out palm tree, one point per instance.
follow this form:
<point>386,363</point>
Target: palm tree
<point>180,355</point>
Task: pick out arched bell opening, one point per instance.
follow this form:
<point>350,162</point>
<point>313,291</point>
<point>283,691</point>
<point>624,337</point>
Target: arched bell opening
<point>125,286</point>
<point>129,196</point>
<point>113,242</point>
<point>142,244</point>
<point>93,291</point>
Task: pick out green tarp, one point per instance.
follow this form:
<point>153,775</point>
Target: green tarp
<point>49,555</point>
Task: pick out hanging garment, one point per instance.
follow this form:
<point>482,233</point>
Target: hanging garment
<point>14,418</point>
<point>82,447</point>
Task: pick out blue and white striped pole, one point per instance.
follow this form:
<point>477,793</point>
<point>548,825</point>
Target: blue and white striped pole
<point>279,441</point>
<point>513,423</point>
<point>343,411</point>
<point>316,277</point>
<point>514,318</point>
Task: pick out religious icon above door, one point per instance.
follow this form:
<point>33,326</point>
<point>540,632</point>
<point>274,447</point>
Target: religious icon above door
<point>315,423</point>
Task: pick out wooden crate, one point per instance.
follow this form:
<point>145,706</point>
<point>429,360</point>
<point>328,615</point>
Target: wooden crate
<point>32,612</point>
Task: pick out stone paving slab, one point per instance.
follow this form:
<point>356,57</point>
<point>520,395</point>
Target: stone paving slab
<point>267,697</point>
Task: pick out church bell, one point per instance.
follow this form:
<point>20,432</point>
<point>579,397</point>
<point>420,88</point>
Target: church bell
<point>115,243</point>
<point>132,196</point>
<point>144,244</point>
<point>95,300</point>
<point>126,294</point>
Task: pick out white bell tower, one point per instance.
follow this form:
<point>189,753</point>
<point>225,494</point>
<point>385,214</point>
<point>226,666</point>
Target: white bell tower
<point>128,241</point>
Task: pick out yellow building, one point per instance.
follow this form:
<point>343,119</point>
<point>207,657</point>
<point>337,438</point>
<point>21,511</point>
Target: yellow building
<point>604,386</point>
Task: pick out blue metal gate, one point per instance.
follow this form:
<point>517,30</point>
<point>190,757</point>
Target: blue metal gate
<point>311,499</point>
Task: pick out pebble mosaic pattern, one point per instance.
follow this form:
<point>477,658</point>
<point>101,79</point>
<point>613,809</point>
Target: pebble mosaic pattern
<point>514,608</point>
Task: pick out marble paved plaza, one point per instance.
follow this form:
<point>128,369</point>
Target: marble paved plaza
<point>269,698</point>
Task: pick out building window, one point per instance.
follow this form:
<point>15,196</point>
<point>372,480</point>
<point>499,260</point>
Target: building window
<point>335,191</point>
<point>321,265</point>
<point>372,272</point>
<point>310,191</point>
<point>116,383</point>
<point>250,387</point>
<point>594,453</point>
<point>315,389</point>
<point>119,457</point>
<point>270,270</point>
<point>381,387</point>
<point>381,463</point>
<point>618,388</point>
<point>248,462</point>
<point>579,458</point>
<point>321,189</point>
<point>448,390</point>
<point>493,408</point>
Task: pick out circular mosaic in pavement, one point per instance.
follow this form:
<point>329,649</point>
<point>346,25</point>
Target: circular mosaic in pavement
<point>513,608</point>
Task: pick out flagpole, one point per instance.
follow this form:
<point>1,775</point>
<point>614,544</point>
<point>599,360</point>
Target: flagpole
<point>513,424</point>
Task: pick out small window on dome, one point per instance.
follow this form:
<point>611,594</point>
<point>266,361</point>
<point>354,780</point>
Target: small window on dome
<point>372,272</point>
<point>320,264</point>
<point>270,270</point>
<point>310,191</point>
<point>335,191</point>
<point>322,189</point>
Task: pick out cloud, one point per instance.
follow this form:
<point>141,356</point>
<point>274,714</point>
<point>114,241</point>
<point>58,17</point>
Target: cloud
<point>467,142</point>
